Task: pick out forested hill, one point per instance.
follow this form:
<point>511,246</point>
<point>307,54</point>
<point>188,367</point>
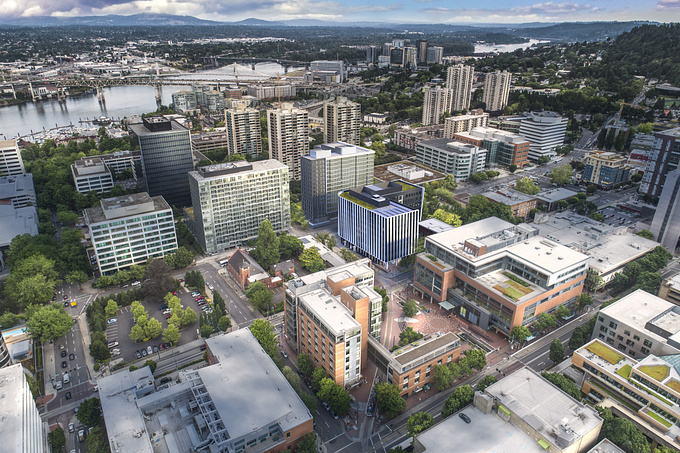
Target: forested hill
<point>649,50</point>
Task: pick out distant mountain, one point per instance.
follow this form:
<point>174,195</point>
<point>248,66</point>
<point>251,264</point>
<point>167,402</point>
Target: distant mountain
<point>111,20</point>
<point>258,23</point>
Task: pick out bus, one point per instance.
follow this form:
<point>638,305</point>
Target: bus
<point>224,262</point>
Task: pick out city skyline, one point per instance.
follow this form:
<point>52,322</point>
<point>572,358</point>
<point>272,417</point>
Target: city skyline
<point>414,11</point>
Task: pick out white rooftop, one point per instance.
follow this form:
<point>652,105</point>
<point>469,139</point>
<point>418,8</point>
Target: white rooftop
<point>435,225</point>
<point>555,194</point>
<point>605,446</point>
<point>14,222</point>
<point>14,407</point>
<point>326,307</point>
<point>16,185</point>
<point>639,307</point>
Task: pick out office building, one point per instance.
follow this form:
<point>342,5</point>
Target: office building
<point>337,66</point>
<point>666,221</point>
<point>328,170</point>
<point>288,133</point>
<point>497,90</point>
<point>545,131</point>
<point>18,190</point>
<point>670,289</point>
<point>10,158</point>
<point>91,174</point>
<point>166,158</point>
<point>341,121</point>
<point>464,123</point>
<point>214,100</point>
<point>120,161</point>
<point>377,227</point>
<point>410,57</point>
<point>435,55</point>
<point>459,80</point>
<point>129,230</point>
<point>372,54</point>
<point>435,103</point>
<point>330,314</point>
<point>208,141</point>
<point>503,147</point>
<point>457,159</point>
<point>244,135</point>
<point>640,324</point>
<point>421,48</point>
<point>258,412</point>
<point>662,159</point>
<point>271,91</point>
<point>409,137</point>
<point>605,169</point>
<point>397,56</point>
<point>498,275</point>
<point>520,203</point>
<point>21,429</point>
<point>231,200</point>
<point>184,100</point>
<point>232,93</point>
<point>645,391</point>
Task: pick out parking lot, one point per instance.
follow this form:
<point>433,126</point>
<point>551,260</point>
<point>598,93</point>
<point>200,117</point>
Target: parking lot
<point>120,330</point>
<point>618,217</point>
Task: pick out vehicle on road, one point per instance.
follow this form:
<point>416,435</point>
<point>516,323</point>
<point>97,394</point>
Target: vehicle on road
<point>67,378</point>
<point>334,414</point>
<point>64,364</point>
<point>210,286</point>
<point>61,346</point>
<point>112,321</point>
<point>63,353</point>
<point>202,347</point>
<point>65,297</point>
<point>284,354</point>
<point>71,357</point>
<point>58,385</point>
<point>464,417</point>
<point>81,435</point>
<point>68,395</point>
<point>71,427</point>
<point>66,304</point>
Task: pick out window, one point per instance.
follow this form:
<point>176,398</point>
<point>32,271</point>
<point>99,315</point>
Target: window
<point>644,350</point>
<point>648,343</point>
<point>636,338</point>
<point>619,337</point>
<point>405,386</point>
<point>603,329</point>
<point>626,333</point>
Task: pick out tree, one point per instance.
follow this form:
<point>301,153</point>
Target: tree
<point>476,358</point>
<point>89,412</point>
<point>622,432</point>
<point>224,323</point>
<point>460,398</point>
<point>348,255</point>
<point>48,322</point>
<point>591,188</point>
<point>311,260</point>
<point>290,246</point>
<point>561,175</point>
<point>180,259</point>
<point>266,251</point>
<point>479,178</point>
<point>30,289</point>
<point>646,234</point>
<point>527,186</point>
<point>317,376</point>
<point>485,382</point>
<point>410,308</point>
<point>264,333</point>
<point>153,328</point>
<point>593,280</point>
<point>307,444</point>
<point>443,377</point>
<point>556,351</point>
<point>111,308</point>
<point>292,378</point>
<point>419,422</point>
<point>583,301</point>
<point>335,395</point>
<point>96,442</point>
<point>188,318</point>
<point>447,217</point>
<point>260,296</point>
<point>99,351</point>
<point>520,334</point>
<point>408,336</point>
<point>545,321</point>
<point>389,401</point>
<point>151,364</point>
<point>171,334</point>
<point>76,276</point>
<point>564,383</point>
<point>512,168</point>
<point>9,320</point>
<point>160,281</point>
<point>304,364</point>
<point>57,439</point>
<point>562,312</point>
<point>137,333</point>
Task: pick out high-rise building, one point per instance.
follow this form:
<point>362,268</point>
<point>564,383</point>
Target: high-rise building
<point>435,54</point>
<point>21,429</point>
<point>342,121</point>
<point>129,230</point>
<point>288,133</point>
<point>545,131</point>
<point>372,54</point>
<point>435,103</point>
<point>504,148</point>
<point>377,227</point>
<point>410,57</point>
<point>497,90</point>
<point>166,158</point>
<point>397,56</point>
<point>666,222</point>
<point>605,169</point>
<point>464,123</point>
<point>91,174</point>
<point>328,170</point>
<point>421,47</point>
<point>337,66</point>
<point>459,80</point>
<point>244,135</point>
<point>458,159</point>
<point>184,100</point>
<point>662,159</point>
<point>10,158</point>
<point>271,91</point>
<point>231,200</point>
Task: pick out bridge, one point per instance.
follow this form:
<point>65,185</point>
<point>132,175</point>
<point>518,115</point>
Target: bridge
<point>255,60</point>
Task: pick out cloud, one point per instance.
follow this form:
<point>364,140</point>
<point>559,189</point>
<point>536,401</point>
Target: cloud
<point>375,9</point>
<point>548,11</point>
<point>668,4</point>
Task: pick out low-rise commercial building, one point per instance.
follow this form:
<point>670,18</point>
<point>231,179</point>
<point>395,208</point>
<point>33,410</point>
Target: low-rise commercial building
<point>21,429</point>
<point>18,190</point>
<point>90,174</point>
<point>605,169</point>
<point>120,161</point>
<point>498,275</point>
<point>670,289</point>
<point>549,198</point>
<point>129,230</point>
<point>409,137</point>
<point>458,159</point>
<point>503,147</point>
<point>520,203</point>
<point>15,222</point>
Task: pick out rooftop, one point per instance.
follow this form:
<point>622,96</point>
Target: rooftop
<point>326,307</point>
<point>140,129</point>
<point>509,197</point>
<point>556,194</point>
<point>435,225</point>
<point>233,168</point>
<point>88,166</point>
<point>419,173</point>
<point>125,206</point>
<point>424,347</point>
<point>640,308</point>
<point>16,221</point>
<point>15,186</point>
<point>606,155</point>
<point>326,254</point>
<point>12,408</point>
<point>490,133</point>
<point>336,150</point>
<point>450,146</point>
<point>605,446</point>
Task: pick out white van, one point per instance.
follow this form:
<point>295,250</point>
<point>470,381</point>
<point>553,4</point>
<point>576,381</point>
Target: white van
<point>67,378</point>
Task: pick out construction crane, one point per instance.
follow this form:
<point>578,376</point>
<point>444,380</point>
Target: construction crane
<point>636,106</point>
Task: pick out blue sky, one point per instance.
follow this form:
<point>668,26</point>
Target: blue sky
<point>406,11</point>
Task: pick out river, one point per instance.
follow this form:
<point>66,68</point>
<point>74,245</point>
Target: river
<point>120,101</point>
<point>500,48</point>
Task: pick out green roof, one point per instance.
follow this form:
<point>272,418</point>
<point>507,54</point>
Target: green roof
<point>363,204</point>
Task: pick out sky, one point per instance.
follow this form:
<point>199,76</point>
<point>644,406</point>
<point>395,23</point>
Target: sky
<point>400,11</point>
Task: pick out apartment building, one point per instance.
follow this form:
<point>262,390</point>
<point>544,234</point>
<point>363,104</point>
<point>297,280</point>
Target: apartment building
<point>670,289</point>
<point>208,141</point>
<point>213,100</point>
<point>22,428</point>
<point>341,121</point>
<point>497,90</point>
<point>605,169</point>
<point>498,275</point>
<point>120,161</point>
<point>288,133</point>
<point>459,79</point>
<point>409,137</point>
<point>464,123</point>
<point>166,158</point>
<point>17,190</point>
<point>666,222</point>
<point>184,100</point>
<point>231,200</point>
<point>503,147</point>
<point>91,174</point>
<point>520,203</point>
<point>435,54</point>
<point>545,131</point>
<point>435,103</point>
<point>129,230</point>
<point>328,170</point>
<point>10,158</point>
<point>459,159</point>
<point>662,159</point>
<point>271,91</point>
<point>244,135</point>
<point>646,391</point>
<point>373,225</point>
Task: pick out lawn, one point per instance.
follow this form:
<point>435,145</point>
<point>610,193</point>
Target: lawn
<point>609,355</point>
<point>674,385</point>
<point>659,418</point>
<point>658,372</point>
<point>512,289</point>
<point>624,371</point>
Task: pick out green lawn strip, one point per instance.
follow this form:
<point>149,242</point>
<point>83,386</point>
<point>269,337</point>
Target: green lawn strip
<point>658,372</point>
<point>604,352</point>
<point>659,418</point>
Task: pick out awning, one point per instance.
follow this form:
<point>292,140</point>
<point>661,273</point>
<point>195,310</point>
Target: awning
<point>446,305</point>
<point>504,409</point>
<point>544,445</point>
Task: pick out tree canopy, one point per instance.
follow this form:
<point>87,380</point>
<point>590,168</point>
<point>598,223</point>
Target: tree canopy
<point>389,401</point>
<point>266,251</point>
<point>48,322</point>
<point>527,186</point>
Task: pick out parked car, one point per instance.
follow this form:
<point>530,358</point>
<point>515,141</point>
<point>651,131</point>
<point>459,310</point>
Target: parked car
<point>138,354</point>
<point>144,353</point>
<point>334,414</point>
<point>202,347</point>
<point>67,378</point>
<point>166,311</point>
<point>66,304</point>
<point>155,349</point>
<point>465,418</point>
<point>65,297</point>
<point>168,315</point>
<point>284,354</point>
<point>325,405</point>
<point>174,293</point>
<point>112,344</point>
<point>112,321</point>
<point>165,380</point>
<point>68,395</point>
<point>61,346</point>
<point>149,350</point>
<point>63,353</point>
<point>161,347</point>
<point>81,435</point>
<point>71,427</point>
<point>163,307</point>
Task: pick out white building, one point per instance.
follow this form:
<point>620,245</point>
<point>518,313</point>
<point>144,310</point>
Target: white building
<point>10,158</point>
<point>459,80</point>
<point>545,131</point>
<point>18,189</point>
<point>459,159</point>
<point>129,230</point>
<point>184,100</point>
<point>666,222</point>
<point>21,429</point>
<point>497,90</point>
<point>341,120</point>
<point>337,66</point>
<point>231,200</point>
<point>464,123</point>
<point>271,91</point>
<point>244,135</point>
<point>435,103</point>
<point>288,133</point>
<point>91,174</point>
